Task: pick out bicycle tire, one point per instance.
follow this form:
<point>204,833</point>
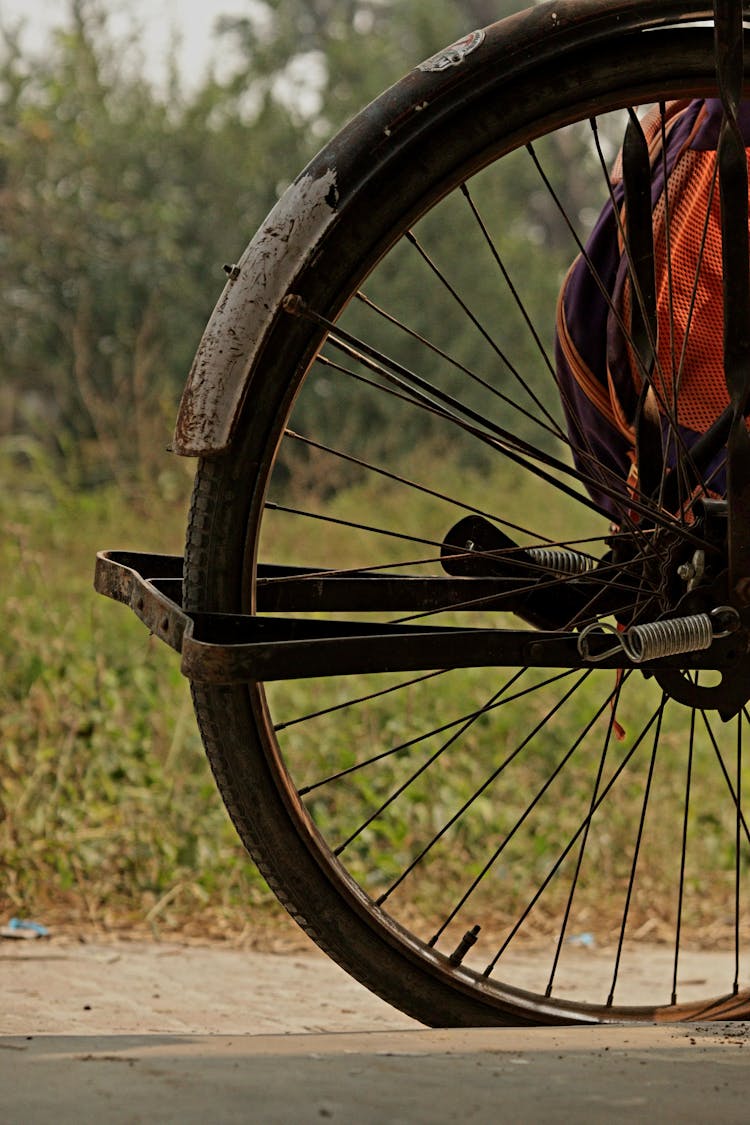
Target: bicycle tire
<point>480,114</point>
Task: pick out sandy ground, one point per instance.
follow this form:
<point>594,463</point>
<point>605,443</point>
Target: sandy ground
<point>135,1032</point>
<point>132,988</point>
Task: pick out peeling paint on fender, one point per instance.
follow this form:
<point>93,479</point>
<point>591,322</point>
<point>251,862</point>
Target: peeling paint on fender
<point>264,274</point>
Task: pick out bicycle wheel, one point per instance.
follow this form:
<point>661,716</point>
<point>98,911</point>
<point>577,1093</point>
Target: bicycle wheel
<point>480,838</point>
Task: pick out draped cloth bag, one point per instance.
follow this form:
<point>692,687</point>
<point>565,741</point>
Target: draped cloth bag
<point>599,376</point>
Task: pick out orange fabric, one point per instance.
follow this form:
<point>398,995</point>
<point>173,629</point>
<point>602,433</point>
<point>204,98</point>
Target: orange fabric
<point>688,375</point>
<point>690,357</point>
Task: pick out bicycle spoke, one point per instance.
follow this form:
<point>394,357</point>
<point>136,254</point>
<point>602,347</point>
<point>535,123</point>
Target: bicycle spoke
<point>725,771</point>
<point>514,448</point>
<point>614,699</point>
<point>523,383</point>
<point>271,506</point>
<point>613,488</point>
<point>637,851</point>
<point>388,474</point>
<point>511,287</point>
<point>490,863</point>
<point>463,727</point>
<point>565,852</point>
<point>683,853</point>
<point>482,788</point>
<point>468,719</point>
<point>354,702</point>
<point>737,846</point>
<point>554,430</point>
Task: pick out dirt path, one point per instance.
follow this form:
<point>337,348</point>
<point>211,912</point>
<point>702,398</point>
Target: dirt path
<point>77,987</point>
<point>65,987</point>
<point>133,1032</point>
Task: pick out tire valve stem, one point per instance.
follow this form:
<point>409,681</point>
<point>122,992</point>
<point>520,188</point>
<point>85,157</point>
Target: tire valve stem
<point>465,944</point>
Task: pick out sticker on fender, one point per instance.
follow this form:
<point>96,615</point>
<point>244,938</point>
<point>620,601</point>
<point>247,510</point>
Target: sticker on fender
<point>455,54</point>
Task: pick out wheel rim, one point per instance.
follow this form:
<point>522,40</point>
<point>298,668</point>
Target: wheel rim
<point>517,797</point>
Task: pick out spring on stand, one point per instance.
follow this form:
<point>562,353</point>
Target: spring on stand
<point>560,561</point>
<point>668,638</point>
<point>664,638</point>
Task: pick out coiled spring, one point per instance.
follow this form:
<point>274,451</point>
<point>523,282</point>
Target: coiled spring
<point>560,561</point>
<point>664,638</point>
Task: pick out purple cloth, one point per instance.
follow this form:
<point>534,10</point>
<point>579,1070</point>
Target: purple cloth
<point>596,335</point>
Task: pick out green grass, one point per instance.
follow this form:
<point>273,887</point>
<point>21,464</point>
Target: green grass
<point>109,815</point>
<point>108,811</point>
<point>425,790</point>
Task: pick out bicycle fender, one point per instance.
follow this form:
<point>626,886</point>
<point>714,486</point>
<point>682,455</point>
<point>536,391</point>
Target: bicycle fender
<point>257,283</point>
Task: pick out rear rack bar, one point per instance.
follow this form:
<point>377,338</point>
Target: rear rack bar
<point>221,648</point>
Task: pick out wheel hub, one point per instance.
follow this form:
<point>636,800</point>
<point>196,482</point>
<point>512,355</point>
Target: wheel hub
<point>683,579</point>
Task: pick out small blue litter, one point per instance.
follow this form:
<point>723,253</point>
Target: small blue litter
<point>24,928</point>
<point>586,940</point>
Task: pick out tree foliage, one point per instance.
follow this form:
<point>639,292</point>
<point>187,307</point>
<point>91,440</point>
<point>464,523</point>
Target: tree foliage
<point>119,204</point>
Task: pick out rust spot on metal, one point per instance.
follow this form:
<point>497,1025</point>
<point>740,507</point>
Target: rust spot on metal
<point>221,370</point>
